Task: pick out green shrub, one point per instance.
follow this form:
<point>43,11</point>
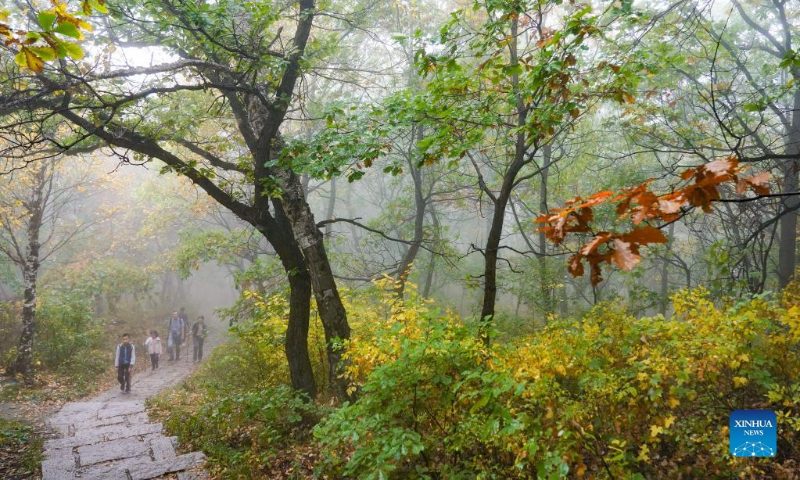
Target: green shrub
<point>70,341</point>
<point>242,433</point>
<point>608,396</point>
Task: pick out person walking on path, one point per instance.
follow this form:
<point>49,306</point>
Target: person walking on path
<point>153,346</point>
<point>177,329</point>
<point>199,334</point>
<point>124,360</point>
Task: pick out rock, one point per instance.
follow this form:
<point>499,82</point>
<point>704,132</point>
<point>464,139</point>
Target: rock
<point>162,449</point>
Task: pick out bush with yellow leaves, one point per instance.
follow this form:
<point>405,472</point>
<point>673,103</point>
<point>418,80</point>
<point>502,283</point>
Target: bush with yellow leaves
<point>605,396</point>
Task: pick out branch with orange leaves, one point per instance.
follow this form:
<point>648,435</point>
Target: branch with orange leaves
<point>699,189</point>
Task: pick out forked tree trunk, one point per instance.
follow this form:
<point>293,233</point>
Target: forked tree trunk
<point>329,304</point>
<point>501,200</point>
<point>296,342</point>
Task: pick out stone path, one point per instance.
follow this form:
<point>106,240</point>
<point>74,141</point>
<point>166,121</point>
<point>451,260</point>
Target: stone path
<point>111,437</point>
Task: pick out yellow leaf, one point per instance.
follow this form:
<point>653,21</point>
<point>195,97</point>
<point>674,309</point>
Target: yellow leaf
<point>27,59</point>
<point>739,381</point>
<point>643,453</point>
<point>673,402</point>
<point>669,421</point>
<point>656,430</point>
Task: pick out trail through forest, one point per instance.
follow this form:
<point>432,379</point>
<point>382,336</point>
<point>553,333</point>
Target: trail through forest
<point>111,436</point>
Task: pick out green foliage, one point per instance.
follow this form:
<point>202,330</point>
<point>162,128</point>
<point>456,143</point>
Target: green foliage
<point>238,408</point>
<point>71,341</point>
<point>610,396</point>
<point>242,432</point>
<point>39,46</point>
<point>109,279</point>
<point>225,248</point>
<point>348,135</point>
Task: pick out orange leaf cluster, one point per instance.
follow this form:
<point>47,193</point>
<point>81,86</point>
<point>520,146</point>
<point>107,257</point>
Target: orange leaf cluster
<point>640,204</point>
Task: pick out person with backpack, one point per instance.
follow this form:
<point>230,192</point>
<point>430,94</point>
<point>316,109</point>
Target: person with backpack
<point>199,334</point>
<point>177,330</point>
<point>124,359</point>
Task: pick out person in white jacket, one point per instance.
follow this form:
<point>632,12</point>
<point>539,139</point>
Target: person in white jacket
<point>153,346</point>
<point>124,360</point>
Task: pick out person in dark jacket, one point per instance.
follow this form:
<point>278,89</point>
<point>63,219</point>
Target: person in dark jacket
<point>176,333</point>
<point>124,359</point>
<point>199,334</point>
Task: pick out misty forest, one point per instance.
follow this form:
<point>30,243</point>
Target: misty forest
<point>444,239</point>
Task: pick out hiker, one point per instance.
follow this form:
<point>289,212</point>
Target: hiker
<point>199,334</point>
<point>176,333</point>
<point>124,360</point>
<point>153,346</point>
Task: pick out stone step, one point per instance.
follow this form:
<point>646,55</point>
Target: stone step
<point>103,434</point>
<point>162,448</point>
<point>111,437</point>
<point>59,466</point>
<point>113,450</point>
<point>187,461</point>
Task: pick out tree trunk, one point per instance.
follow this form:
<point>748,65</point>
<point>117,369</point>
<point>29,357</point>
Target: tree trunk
<point>354,233</point>
<point>787,258</point>
<point>310,240</point>
<point>490,258</point>
<point>426,291</point>
<point>296,341</point>
<point>331,207</point>
<point>23,364</point>
<point>404,270</point>
<point>501,201</point>
<point>547,299</point>
<point>665,273</point>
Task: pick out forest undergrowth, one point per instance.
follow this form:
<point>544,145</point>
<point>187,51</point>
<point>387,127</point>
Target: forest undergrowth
<point>603,395</point>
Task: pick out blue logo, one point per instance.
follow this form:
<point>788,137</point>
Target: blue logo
<point>754,433</point>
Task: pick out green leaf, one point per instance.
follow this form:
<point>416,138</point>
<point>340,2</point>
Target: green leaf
<point>99,5</point>
<point>68,29</point>
<point>73,50</point>
<point>45,53</point>
<point>753,107</point>
<point>46,20</point>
